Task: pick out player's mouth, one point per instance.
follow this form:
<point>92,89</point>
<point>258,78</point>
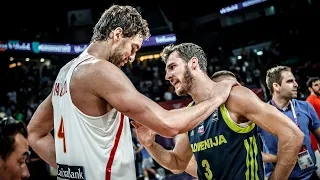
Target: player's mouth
<point>175,84</point>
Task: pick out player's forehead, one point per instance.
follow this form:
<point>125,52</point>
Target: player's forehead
<point>173,58</point>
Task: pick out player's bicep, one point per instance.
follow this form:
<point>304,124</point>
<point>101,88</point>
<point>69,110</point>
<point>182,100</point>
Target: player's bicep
<point>269,118</point>
<point>248,104</point>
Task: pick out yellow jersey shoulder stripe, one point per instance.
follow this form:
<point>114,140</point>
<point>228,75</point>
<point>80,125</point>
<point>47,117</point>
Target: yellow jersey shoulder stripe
<point>231,123</point>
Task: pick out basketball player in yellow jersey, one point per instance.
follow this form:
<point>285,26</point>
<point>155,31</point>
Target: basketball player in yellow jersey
<point>218,77</point>
<point>92,99</point>
<point>225,145</point>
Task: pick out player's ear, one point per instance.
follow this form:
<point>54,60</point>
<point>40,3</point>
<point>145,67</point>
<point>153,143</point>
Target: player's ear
<point>193,63</point>
<point>116,34</point>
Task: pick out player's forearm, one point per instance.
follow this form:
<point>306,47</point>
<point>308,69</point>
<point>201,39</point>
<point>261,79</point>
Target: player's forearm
<point>44,147</point>
<point>192,168</point>
<point>165,158</point>
<point>191,171</point>
<point>192,116</point>
<point>269,158</point>
<point>288,148</point>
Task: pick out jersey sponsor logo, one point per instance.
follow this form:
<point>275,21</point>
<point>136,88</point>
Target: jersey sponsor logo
<point>201,129</point>
<point>208,143</point>
<point>70,172</point>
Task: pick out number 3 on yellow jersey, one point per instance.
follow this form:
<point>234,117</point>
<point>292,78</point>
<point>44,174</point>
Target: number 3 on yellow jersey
<point>206,165</point>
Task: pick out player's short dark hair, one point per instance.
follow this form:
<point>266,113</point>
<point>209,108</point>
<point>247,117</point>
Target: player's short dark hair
<point>186,52</point>
<point>222,73</point>
<point>9,128</point>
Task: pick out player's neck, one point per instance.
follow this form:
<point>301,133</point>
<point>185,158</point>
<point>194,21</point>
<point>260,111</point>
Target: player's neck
<point>281,102</point>
<point>99,50</point>
<point>201,89</point>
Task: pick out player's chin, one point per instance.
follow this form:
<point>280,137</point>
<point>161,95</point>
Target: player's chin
<point>180,92</point>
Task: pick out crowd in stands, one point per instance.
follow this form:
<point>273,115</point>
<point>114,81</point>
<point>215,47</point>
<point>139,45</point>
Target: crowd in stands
<point>29,85</point>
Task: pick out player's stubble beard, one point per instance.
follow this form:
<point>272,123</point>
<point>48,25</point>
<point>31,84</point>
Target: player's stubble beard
<point>117,56</point>
<point>187,82</point>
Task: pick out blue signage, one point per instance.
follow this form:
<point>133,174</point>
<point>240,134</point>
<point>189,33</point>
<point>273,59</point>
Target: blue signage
<point>239,6</point>
<point>160,40</point>
<point>55,48</point>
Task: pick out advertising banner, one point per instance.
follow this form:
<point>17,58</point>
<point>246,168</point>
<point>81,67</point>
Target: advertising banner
<point>240,5</point>
<point>72,49</point>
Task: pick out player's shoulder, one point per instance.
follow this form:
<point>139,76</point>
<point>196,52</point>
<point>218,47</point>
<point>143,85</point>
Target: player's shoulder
<point>98,67</point>
<point>240,92</point>
<point>104,73</point>
<point>242,99</point>
<point>97,63</point>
